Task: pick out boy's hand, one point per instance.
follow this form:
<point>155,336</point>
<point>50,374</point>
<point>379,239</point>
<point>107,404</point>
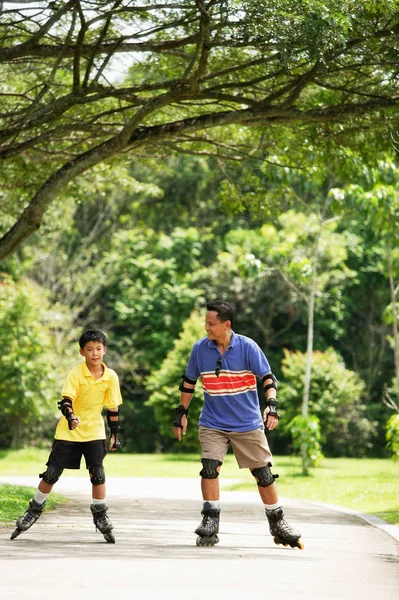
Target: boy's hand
<point>73,421</point>
<point>112,441</point>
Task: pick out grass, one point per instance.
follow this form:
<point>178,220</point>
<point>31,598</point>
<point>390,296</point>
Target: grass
<point>14,501</point>
<point>369,486</point>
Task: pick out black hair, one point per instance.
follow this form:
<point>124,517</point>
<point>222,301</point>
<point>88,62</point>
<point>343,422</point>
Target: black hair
<point>224,310</point>
<point>92,335</point>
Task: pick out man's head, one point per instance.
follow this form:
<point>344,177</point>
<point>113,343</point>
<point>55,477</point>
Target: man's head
<point>219,319</point>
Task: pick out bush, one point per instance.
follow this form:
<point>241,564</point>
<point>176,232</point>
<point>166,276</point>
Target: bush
<point>335,399</point>
<point>392,435</point>
<point>28,379</point>
<point>164,383</point>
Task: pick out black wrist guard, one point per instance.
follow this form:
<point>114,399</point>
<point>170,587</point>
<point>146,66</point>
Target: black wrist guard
<point>115,428</point>
<point>65,406</point>
<point>272,404</point>
<point>180,411</point>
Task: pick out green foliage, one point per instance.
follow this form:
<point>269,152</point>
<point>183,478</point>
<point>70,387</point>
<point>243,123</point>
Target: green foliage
<point>14,500</point>
<point>336,399</point>
<point>95,81</point>
<point>164,382</point>
<point>306,437</point>
<point>392,435</point>
<point>154,289</point>
<point>28,383</point>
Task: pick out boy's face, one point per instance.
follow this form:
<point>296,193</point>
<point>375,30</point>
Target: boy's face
<point>93,353</point>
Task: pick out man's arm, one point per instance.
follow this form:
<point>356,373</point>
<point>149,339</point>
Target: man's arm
<point>180,423</point>
<point>270,414</point>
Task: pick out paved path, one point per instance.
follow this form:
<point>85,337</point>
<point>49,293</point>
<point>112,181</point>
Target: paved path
<point>63,558</point>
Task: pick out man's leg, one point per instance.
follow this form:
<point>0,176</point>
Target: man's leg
<point>209,527</point>
<point>210,488</point>
<point>281,531</point>
<point>269,494</point>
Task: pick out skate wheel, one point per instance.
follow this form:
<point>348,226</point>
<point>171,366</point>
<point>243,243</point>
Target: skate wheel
<point>280,542</point>
<point>296,544</point>
<point>15,534</point>
<point>207,541</point>
<point>109,537</point>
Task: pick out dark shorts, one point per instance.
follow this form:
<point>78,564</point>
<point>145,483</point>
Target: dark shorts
<point>67,455</point>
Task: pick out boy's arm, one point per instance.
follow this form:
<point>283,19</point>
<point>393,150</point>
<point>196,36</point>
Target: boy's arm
<point>112,401</point>
<point>115,428</point>
<point>65,406</point>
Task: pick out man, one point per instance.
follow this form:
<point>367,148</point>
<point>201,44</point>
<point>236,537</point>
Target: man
<point>228,364</point>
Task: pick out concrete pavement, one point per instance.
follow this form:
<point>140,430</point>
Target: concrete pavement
<point>62,557</point>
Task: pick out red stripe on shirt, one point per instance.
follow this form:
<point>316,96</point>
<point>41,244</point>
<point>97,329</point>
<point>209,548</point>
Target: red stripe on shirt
<point>228,383</point>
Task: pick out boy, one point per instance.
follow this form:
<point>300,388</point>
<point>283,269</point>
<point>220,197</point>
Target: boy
<point>88,388</point>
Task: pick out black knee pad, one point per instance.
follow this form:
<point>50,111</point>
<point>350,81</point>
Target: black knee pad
<point>52,474</point>
<point>209,468</point>
<point>264,475</point>
<point>97,475</point>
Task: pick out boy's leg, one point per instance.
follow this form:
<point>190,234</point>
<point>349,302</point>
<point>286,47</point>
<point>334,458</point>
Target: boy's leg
<point>38,502</point>
<point>94,453</point>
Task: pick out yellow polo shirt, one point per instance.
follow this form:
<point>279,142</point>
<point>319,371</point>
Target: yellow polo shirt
<point>89,396</point>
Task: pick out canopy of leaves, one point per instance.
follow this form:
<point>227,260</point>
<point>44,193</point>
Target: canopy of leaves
<point>325,70</point>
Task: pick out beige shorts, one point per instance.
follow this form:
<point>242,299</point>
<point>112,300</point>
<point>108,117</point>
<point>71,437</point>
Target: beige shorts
<point>250,448</point>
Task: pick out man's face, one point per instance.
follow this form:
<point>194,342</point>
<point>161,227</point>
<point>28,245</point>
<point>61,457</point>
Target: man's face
<point>215,329</point>
<point>93,353</point>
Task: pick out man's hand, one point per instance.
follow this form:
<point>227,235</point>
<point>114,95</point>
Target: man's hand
<point>178,431</point>
<point>269,420</point>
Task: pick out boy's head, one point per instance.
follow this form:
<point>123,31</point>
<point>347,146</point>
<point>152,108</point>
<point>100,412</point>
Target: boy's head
<point>92,335</point>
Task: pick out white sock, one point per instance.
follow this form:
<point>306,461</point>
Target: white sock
<point>272,506</point>
<point>39,497</point>
<point>96,501</point>
<point>213,503</point>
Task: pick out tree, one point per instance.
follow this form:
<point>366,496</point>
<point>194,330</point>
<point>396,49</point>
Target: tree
<point>163,385</point>
<point>28,384</point>
<point>378,203</point>
<point>335,399</point>
<point>325,70</point>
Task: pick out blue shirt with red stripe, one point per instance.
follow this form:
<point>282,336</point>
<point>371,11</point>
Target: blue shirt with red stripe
<point>231,400</point>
